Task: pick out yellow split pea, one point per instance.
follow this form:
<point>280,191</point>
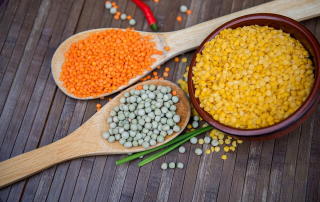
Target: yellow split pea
<point>252,77</point>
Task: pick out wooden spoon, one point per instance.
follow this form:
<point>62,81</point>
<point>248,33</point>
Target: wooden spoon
<point>85,141</point>
<point>190,38</point>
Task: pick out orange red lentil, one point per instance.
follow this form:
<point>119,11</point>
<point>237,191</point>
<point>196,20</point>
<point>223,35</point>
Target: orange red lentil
<point>104,61</point>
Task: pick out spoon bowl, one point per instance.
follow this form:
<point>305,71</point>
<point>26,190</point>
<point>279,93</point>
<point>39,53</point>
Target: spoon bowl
<point>86,140</point>
<point>187,39</point>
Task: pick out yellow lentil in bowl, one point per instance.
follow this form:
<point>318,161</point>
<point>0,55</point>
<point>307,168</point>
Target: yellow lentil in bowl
<point>252,77</point>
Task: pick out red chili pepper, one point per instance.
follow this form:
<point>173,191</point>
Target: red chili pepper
<point>148,13</point>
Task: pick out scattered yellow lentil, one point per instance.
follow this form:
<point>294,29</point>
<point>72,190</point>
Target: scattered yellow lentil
<point>221,136</point>
<point>227,141</point>
<point>200,141</point>
<point>239,141</point>
<point>229,137</point>
<point>224,157</point>
<point>192,129</point>
<point>184,59</point>
<point>208,151</point>
<point>204,125</point>
<point>200,118</point>
<point>226,148</point>
<point>220,142</point>
<point>189,126</point>
<point>232,148</point>
<point>212,149</point>
<point>252,77</point>
<point>215,137</point>
<point>217,149</point>
<point>234,143</point>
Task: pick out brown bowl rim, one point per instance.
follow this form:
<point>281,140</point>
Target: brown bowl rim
<point>293,118</point>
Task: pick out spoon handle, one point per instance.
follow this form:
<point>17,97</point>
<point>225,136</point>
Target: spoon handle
<point>190,38</point>
<point>24,165</point>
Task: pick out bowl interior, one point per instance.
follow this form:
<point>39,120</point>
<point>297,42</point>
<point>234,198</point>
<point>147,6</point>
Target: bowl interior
<point>288,25</point>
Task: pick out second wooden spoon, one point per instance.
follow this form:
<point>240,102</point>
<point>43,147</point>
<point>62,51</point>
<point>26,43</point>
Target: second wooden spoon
<point>85,141</point>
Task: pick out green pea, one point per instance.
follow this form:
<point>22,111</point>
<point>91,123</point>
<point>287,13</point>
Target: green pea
<point>173,108</point>
<point>172,165</point>
<point>132,91</point>
<point>113,125</point>
<point>176,118</point>
<point>148,126</point>
<point>198,151</point>
<point>122,141</point>
<point>146,145</point>
<point>163,133</point>
<point>160,138</point>
<point>168,89</point>
<point>113,113</point>
<point>195,124</point>
<point>111,139</point>
<point>170,122</point>
<point>127,144</point>
<point>180,165</point>
<point>153,142</point>
<point>207,140</point>
<point>145,87</point>
<point>196,118</point>
<point>170,132</point>
<point>117,136</point>
<point>163,120</point>
<point>152,87</point>
<point>175,99</point>
<point>105,135</point>
<point>116,108</point>
<point>182,149</point>
<point>109,120</point>
<point>135,143</point>
<point>164,166</point>
<point>194,140</point>
<point>126,94</point>
<point>123,100</point>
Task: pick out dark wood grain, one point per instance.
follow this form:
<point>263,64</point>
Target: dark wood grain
<point>301,176</point>
<point>279,153</point>
<point>34,113</point>
<point>8,13</point>
<point>290,165</point>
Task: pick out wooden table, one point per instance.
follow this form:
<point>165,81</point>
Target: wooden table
<point>34,113</point>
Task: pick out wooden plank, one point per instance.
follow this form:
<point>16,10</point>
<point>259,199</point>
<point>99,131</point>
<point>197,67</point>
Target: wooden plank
<point>211,193</point>
<point>279,154</point>
<point>61,170</point>
<point>313,186</point>
<point>6,21</point>
<point>74,167</point>
<point>68,171</point>
<point>38,185</point>
<point>142,182</point>
<point>100,161</point>
<point>226,176</point>
<point>203,173</point>
<point>301,175</point>
<point>290,165</point>
<point>130,181</point>
<point>264,168</point>
<point>26,89</point>
<point>252,171</point>
<point>154,181</point>
<point>2,10</point>
<point>48,93</point>
<point>79,170</point>
<point>239,173</point>
<point>14,46</point>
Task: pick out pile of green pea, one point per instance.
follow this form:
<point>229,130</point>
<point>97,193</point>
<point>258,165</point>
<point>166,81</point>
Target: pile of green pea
<point>144,117</point>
